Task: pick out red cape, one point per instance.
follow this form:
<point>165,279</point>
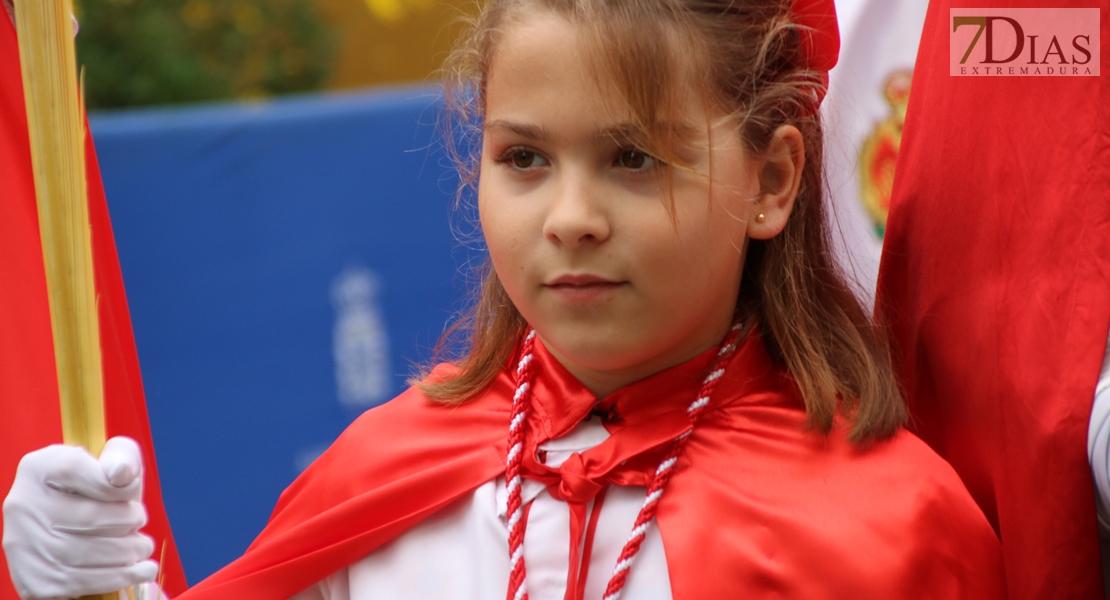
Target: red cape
<point>30,415</point>
<point>995,278</point>
<point>788,513</point>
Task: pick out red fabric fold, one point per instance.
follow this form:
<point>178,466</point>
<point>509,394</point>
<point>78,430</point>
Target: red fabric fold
<point>994,280</point>
<point>587,549</point>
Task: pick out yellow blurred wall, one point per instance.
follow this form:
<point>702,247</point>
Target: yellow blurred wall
<point>391,41</point>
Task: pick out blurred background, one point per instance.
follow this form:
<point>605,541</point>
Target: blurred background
<point>158,52</point>
<point>287,228</point>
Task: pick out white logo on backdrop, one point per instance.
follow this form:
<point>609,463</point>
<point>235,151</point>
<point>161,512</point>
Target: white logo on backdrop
<point>360,343</point>
<point>360,346</point>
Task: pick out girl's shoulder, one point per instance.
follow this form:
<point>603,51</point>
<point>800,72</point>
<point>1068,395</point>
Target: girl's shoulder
<point>894,514</point>
<point>764,428</point>
<point>412,412</point>
<point>393,467</point>
<point>901,476</point>
<point>406,437</point>
<point>414,423</point>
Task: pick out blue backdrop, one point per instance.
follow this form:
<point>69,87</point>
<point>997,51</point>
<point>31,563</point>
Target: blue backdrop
<point>287,264</point>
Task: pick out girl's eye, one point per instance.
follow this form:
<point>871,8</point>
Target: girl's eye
<point>635,160</point>
<point>522,159</point>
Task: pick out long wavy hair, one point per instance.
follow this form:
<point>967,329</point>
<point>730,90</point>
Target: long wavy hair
<point>751,52</point>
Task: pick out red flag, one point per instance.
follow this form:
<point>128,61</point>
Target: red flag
<point>29,407</point>
<point>995,279</point>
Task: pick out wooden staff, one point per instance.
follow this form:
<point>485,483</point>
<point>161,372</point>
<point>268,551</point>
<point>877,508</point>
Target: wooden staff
<point>56,124</point>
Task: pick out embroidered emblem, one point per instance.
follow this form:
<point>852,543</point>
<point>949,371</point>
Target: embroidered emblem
<point>879,154</point>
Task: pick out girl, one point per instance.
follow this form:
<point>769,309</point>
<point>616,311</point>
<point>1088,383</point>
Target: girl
<point>669,390</point>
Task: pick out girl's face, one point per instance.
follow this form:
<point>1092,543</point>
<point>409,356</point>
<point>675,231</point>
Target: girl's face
<point>576,219</point>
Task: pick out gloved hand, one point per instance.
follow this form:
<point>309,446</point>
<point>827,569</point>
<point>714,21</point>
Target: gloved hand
<point>71,522</point>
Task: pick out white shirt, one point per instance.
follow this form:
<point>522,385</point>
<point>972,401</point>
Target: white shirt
<point>462,552</point>
<point>1098,441</point>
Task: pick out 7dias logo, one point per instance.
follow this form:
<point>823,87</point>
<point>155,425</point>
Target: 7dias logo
<point>1024,42</point>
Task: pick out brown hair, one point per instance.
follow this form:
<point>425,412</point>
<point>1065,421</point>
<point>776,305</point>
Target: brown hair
<point>809,318</point>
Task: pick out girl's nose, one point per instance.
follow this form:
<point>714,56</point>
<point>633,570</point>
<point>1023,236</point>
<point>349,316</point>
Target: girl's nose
<point>575,216</point>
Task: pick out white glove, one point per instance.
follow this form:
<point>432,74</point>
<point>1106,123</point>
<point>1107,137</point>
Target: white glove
<point>71,522</point>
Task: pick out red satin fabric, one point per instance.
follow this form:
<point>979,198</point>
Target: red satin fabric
<point>758,506</point>
<point>30,416</point>
<point>994,278</point>
<point>821,39</point>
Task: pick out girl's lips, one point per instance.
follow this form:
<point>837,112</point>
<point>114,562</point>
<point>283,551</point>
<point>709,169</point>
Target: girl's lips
<point>582,288</point>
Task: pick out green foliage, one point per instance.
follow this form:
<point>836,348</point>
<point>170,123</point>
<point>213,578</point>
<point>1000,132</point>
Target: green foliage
<point>145,52</point>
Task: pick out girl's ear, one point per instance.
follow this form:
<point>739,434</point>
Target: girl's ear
<point>778,183</point>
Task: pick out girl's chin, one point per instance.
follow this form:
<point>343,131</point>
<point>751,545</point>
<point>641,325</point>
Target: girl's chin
<point>601,352</point>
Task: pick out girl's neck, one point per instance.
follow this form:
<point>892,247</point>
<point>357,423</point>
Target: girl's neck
<point>603,382</point>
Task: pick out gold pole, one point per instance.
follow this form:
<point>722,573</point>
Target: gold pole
<point>56,125</point>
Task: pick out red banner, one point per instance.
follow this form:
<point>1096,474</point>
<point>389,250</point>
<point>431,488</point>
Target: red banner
<point>29,407</point>
<point>994,279</point>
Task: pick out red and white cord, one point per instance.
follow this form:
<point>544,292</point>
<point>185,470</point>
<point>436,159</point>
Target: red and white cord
<point>517,589</point>
<point>664,471</point>
<point>515,508</point>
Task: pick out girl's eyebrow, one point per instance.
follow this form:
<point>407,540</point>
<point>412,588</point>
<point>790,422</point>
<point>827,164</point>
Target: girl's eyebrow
<point>528,131</point>
<point>665,133</point>
<point>623,132</point>
<point>620,131</point>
